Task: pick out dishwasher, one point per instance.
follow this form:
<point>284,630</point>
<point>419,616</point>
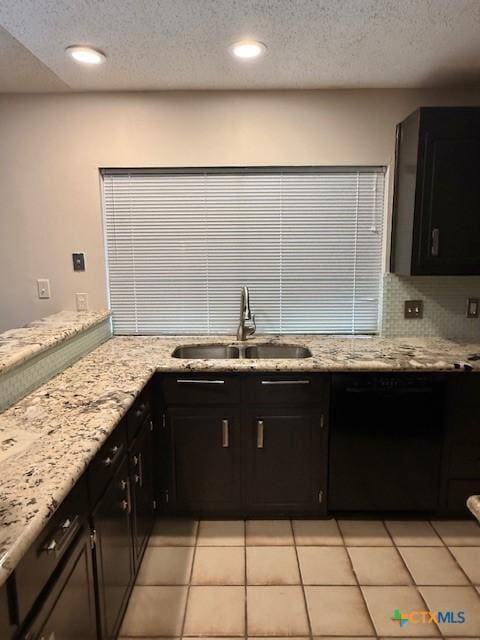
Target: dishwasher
<point>385,446</point>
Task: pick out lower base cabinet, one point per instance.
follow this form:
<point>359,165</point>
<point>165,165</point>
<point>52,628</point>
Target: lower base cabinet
<point>68,611</point>
<point>283,453</point>
<point>113,551</point>
<point>142,460</point>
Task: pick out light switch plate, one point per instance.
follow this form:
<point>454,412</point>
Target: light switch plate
<point>43,288</point>
<point>413,309</point>
<point>473,307</point>
<point>78,261</point>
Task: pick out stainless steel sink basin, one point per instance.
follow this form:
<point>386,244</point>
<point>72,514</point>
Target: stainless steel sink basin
<point>281,351</point>
<point>254,351</point>
<point>206,352</point>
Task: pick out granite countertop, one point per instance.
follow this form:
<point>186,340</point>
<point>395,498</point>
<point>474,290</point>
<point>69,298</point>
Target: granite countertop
<point>19,345</point>
<point>473,504</point>
<point>48,438</point>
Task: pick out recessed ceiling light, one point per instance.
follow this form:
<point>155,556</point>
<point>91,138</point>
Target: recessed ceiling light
<point>86,55</point>
<point>247,49</point>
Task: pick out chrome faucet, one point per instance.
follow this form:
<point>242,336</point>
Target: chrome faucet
<point>246,315</point>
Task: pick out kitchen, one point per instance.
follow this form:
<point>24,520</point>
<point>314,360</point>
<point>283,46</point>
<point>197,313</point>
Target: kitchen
<point>239,367</point>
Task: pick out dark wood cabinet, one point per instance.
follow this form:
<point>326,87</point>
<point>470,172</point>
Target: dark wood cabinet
<point>113,550</point>
<point>7,628</point>
<point>143,499</point>
<point>206,450</point>
<point>436,225</point>
<point>68,611</point>
<point>283,453</point>
<point>461,469</point>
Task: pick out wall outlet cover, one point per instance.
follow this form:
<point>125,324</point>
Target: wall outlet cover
<point>413,309</point>
<point>473,307</point>
<point>78,261</point>
<point>82,301</point>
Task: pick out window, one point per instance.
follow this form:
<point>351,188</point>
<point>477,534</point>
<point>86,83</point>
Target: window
<point>307,241</point>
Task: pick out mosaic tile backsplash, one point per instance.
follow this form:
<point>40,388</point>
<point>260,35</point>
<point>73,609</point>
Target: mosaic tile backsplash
<point>444,311</point>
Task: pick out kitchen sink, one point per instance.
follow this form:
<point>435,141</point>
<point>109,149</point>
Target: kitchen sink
<point>254,351</point>
<point>282,351</point>
<point>206,352</point>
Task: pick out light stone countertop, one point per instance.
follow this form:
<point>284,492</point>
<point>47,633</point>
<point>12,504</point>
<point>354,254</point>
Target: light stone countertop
<point>60,426</point>
<point>473,504</point>
<point>19,345</point>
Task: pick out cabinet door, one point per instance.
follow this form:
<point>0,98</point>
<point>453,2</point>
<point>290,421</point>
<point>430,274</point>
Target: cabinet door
<point>451,204</point>
<point>141,465</point>
<point>206,459</point>
<point>113,551</point>
<point>68,611</point>
<point>284,471</point>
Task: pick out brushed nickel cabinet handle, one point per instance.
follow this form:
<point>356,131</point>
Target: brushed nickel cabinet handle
<point>225,434</point>
<point>285,381</point>
<point>435,242</point>
<point>188,381</point>
<point>260,430</point>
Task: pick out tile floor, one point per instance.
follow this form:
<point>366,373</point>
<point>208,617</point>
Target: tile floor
<point>305,579</point>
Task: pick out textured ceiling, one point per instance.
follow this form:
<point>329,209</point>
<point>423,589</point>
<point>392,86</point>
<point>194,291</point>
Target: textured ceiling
<point>182,44</point>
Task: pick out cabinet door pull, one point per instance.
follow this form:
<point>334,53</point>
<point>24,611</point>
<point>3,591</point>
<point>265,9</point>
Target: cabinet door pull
<point>285,381</point>
<point>225,434</point>
<point>188,381</point>
<point>65,532</point>
<point>140,468</point>
<point>435,242</point>
<point>260,430</point>
<point>115,453</point>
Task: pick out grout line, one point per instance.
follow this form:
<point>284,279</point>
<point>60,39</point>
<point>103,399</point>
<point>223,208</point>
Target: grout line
<point>309,622</point>
<point>187,597</point>
<point>414,584</point>
<point>356,579</point>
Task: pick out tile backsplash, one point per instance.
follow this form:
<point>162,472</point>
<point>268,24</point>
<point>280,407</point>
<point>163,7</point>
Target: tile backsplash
<point>444,299</point>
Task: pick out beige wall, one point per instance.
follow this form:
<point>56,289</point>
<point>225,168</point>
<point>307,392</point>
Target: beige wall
<point>51,147</point>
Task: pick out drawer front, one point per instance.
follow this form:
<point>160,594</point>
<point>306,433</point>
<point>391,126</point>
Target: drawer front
<point>106,462</point>
<point>465,459</point>
<point>45,554</point>
<point>285,389</point>
<point>458,492</point>
<point>136,415</point>
<point>193,389</point>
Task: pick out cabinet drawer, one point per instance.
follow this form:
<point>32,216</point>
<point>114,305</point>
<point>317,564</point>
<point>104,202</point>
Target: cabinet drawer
<point>136,415</point>
<point>284,389</point>
<point>45,554</point>
<point>190,389</point>
<point>458,492</point>
<point>106,462</point>
<point>465,459</point>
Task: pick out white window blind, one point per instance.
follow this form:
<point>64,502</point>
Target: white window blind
<point>308,243</point>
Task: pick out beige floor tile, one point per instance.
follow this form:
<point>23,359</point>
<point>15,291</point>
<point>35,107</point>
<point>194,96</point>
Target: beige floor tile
<point>458,533</point>
<point>219,565</point>
<point>272,566</point>
<point>382,602</point>
<point>155,611</point>
<point>469,559</point>
<point>221,533</point>
<point>165,565</point>
<point>342,637</point>
<point>432,566</point>
<point>338,610</point>
<point>269,533</point>
<point>174,532</point>
<point>378,565</point>
<point>325,565</point>
<point>455,599</point>
<point>365,533</point>
<point>276,611</point>
<point>313,532</point>
<point>413,533</point>
<point>215,611</point>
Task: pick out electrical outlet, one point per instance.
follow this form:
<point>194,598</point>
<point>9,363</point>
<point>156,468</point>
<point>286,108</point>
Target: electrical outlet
<point>413,309</point>
<point>82,301</point>
<point>473,307</point>
<point>43,288</point>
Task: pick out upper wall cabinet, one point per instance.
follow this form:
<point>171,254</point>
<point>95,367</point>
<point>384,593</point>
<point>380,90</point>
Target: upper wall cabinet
<point>436,210</point>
